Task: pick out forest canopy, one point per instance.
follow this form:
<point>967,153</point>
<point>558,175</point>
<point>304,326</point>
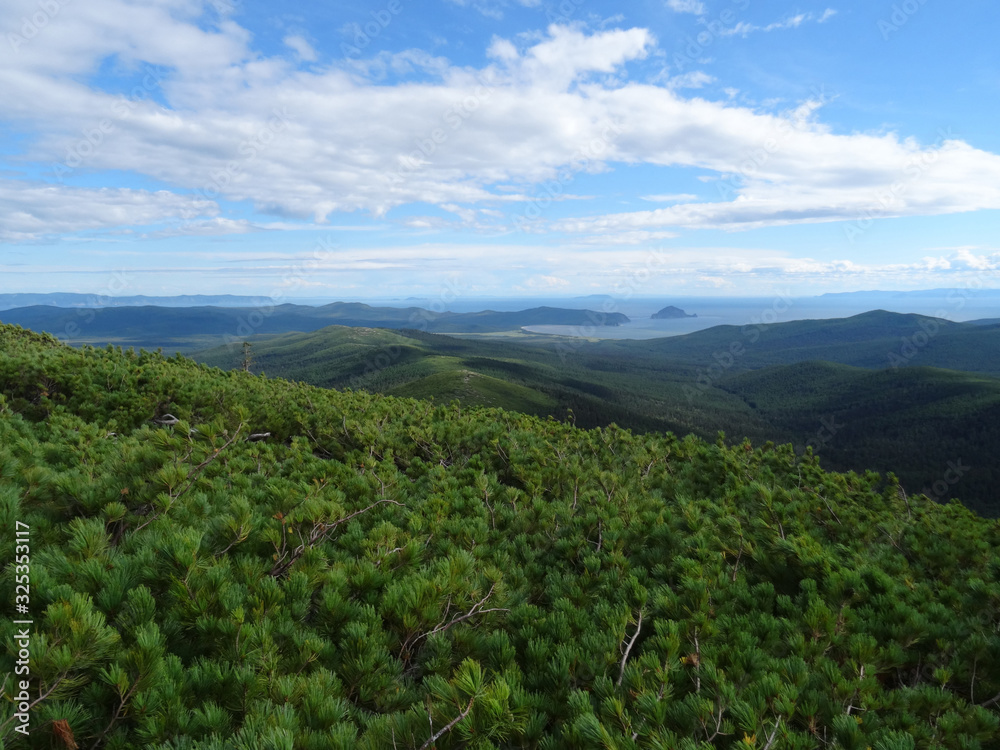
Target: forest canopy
<point>221,560</point>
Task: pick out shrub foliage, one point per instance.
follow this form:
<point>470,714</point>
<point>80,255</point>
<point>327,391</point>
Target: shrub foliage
<point>225,561</point>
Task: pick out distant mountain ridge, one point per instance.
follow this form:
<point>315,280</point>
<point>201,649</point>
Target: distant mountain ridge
<point>72,299</point>
<point>915,294</point>
<point>874,339</point>
<point>153,326</point>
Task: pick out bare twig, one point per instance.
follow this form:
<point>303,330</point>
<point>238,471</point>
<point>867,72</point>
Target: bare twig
<point>447,727</point>
<point>991,701</point>
<point>192,478</point>
<point>774,734</point>
<point>631,643</point>
<point>445,623</point>
<point>320,531</point>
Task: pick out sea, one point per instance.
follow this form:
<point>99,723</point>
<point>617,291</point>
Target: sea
<point>957,305</point>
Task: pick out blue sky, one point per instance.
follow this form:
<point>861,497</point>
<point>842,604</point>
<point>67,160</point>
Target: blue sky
<point>497,147</point>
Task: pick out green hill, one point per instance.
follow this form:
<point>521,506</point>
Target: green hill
<point>920,423</point>
<point>910,420</point>
<point>219,560</point>
<point>596,388</point>
<point>876,339</point>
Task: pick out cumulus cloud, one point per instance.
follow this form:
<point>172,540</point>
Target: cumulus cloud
<point>218,122</point>
<point>302,48</point>
<point>694,79</point>
<point>687,6</point>
<point>29,210</point>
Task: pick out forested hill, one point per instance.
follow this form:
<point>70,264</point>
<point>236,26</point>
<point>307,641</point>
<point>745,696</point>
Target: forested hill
<point>219,561</point>
<point>875,339</point>
<point>915,421</point>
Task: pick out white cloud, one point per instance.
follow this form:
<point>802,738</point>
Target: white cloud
<point>787,169</point>
<point>827,15</point>
<point>694,79</point>
<point>568,55</point>
<point>545,283</point>
<point>489,8</point>
<point>631,237</point>
<point>687,6</point>
<point>302,48</point>
<point>744,28</point>
<point>499,267</point>
<point>225,123</point>
<point>29,210</point>
<point>671,198</point>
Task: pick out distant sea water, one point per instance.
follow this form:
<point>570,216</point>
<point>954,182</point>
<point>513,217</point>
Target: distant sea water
<point>715,311</point>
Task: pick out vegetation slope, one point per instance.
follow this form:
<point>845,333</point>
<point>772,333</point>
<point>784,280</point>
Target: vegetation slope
<point>220,560</point>
<point>910,420</point>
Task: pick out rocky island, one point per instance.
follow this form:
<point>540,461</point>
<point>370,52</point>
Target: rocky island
<point>669,312</point>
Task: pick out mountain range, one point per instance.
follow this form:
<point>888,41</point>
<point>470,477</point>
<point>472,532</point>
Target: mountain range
<point>184,328</point>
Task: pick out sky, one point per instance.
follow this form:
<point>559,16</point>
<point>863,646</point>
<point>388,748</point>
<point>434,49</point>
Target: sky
<point>498,147</point>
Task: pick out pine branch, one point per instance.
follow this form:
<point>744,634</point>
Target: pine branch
<point>320,531</point>
<point>720,710</point>
<point>39,699</point>
<point>449,726</point>
<point>991,701</point>
<point>631,643</point>
<point>445,624</point>
<point>475,610</point>
<point>193,477</point>
<point>774,734</point>
<point>118,713</point>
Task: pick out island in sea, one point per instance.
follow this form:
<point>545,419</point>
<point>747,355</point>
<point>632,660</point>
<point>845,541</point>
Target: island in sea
<point>669,312</point>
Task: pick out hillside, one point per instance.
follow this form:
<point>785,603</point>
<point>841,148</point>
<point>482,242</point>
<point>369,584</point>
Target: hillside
<point>921,423</point>
<point>287,566</point>
<point>189,328</point>
<point>910,420</point>
<point>876,339</point>
<point>598,389</point>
